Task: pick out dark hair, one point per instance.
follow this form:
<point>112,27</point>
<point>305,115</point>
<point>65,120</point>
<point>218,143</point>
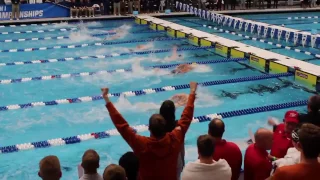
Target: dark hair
<point>167,111</point>
<point>205,145</point>
<point>309,138</point>
<point>157,125</point>
<point>216,128</point>
<point>314,103</point>
<point>90,161</point>
<point>130,163</point>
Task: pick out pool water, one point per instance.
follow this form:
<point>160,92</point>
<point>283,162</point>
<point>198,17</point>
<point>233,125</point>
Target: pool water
<point>64,120</point>
<point>269,43</point>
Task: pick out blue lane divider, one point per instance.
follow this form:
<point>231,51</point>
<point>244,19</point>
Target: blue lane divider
<point>56,30</point>
<point>79,58</point>
<point>296,23</point>
<point>141,92</point>
<point>48,24</point>
<point>89,44</point>
<point>164,66</point>
<point>143,128</point>
<point>260,40</point>
<point>68,37</point>
<point>290,18</point>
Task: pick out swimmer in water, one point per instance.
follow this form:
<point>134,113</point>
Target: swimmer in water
<point>180,99</point>
<point>174,55</point>
<point>182,68</point>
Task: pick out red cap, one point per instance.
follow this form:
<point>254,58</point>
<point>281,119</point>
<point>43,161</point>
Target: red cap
<point>291,116</point>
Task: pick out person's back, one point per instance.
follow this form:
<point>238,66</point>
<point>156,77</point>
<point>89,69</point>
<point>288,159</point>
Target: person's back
<point>257,166</point>
<point>225,150</point>
<point>230,152</point>
<point>90,163</point>
<point>158,154</point>
<point>130,163</point>
<point>309,166</point>
<point>206,168</point>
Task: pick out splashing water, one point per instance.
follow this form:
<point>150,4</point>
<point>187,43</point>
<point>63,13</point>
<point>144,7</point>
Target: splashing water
<point>125,105</point>
<point>82,35</point>
<point>121,32</point>
<point>206,99</point>
<point>201,68</point>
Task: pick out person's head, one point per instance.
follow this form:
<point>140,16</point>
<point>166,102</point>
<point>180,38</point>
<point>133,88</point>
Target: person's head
<point>291,120</point>
<point>157,126</point>
<point>90,161</point>
<point>130,163</point>
<point>216,128</point>
<point>314,103</point>
<point>263,138</point>
<point>167,111</point>
<point>309,141</point>
<point>114,172</point>
<point>206,146</point>
<point>50,168</point>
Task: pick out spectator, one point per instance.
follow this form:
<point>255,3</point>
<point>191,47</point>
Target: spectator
<point>309,167</point>
<point>167,110</point>
<point>157,154</point>
<point>261,4</point>
<point>206,168</point>
<point>282,134</point>
<point>257,165</point>
<point>275,4</point>
<point>293,155</point>
<point>82,8</point>
<point>130,6</point>
<point>74,8</point>
<point>242,4</point>
<point>114,172</point>
<point>50,168</point>
<point>89,8</point>
<point>224,149</point>
<point>90,164</point>
<point>15,9</point>
<point>130,163</point>
<point>290,2</point>
<point>313,115</point>
<point>313,3</point>
<point>116,7</point>
<point>248,4</point>
<point>136,4</point>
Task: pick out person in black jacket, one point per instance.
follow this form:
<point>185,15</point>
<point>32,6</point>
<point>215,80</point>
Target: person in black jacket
<point>15,9</point>
<point>313,115</point>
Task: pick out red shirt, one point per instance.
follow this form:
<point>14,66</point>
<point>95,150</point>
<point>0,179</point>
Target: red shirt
<point>231,153</point>
<point>281,142</point>
<point>157,157</point>
<point>298,172</point>
<point>257,165</point>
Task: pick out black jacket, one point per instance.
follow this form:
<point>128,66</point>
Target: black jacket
<point>313,118</point>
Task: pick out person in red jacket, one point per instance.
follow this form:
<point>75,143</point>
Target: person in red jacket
<point>158,154</point>
<point>282,134</point>
<point>224,149</point>
<point>257,165</point>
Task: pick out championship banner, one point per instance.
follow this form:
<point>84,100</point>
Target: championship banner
<point>35,11</point>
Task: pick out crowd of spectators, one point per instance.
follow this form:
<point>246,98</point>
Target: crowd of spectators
<point>294,145</point>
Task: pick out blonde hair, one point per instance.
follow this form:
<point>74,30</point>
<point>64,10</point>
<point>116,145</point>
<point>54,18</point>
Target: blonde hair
<point>114,172</point>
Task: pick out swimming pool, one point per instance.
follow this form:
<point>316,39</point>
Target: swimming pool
<point>298,21</point>
<point>54,77</point>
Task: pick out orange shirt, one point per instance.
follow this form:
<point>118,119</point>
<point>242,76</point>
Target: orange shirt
<point>158,158</point>
<point>298,172</point>
<point>257,165</point>
<point>231,153</point>
<point>281,142</point>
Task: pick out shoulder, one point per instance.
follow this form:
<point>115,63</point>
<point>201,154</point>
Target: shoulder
<point>286,171</point>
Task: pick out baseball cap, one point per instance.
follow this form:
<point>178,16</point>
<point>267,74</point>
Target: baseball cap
<point>291,116</point>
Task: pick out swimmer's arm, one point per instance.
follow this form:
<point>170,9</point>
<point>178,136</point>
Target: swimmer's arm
<point>129,135</point>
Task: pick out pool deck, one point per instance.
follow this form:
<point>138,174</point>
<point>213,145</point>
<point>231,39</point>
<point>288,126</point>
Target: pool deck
<point>108,17</point>
<point>268,55</point>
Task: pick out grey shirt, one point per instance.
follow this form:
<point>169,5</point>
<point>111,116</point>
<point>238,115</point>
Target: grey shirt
<point>91,177</point>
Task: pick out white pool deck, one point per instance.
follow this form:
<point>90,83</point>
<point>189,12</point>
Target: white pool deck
<point>281,59</point>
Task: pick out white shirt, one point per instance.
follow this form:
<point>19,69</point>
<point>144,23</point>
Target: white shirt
<point>91,177</point>
<point>218,170</point>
